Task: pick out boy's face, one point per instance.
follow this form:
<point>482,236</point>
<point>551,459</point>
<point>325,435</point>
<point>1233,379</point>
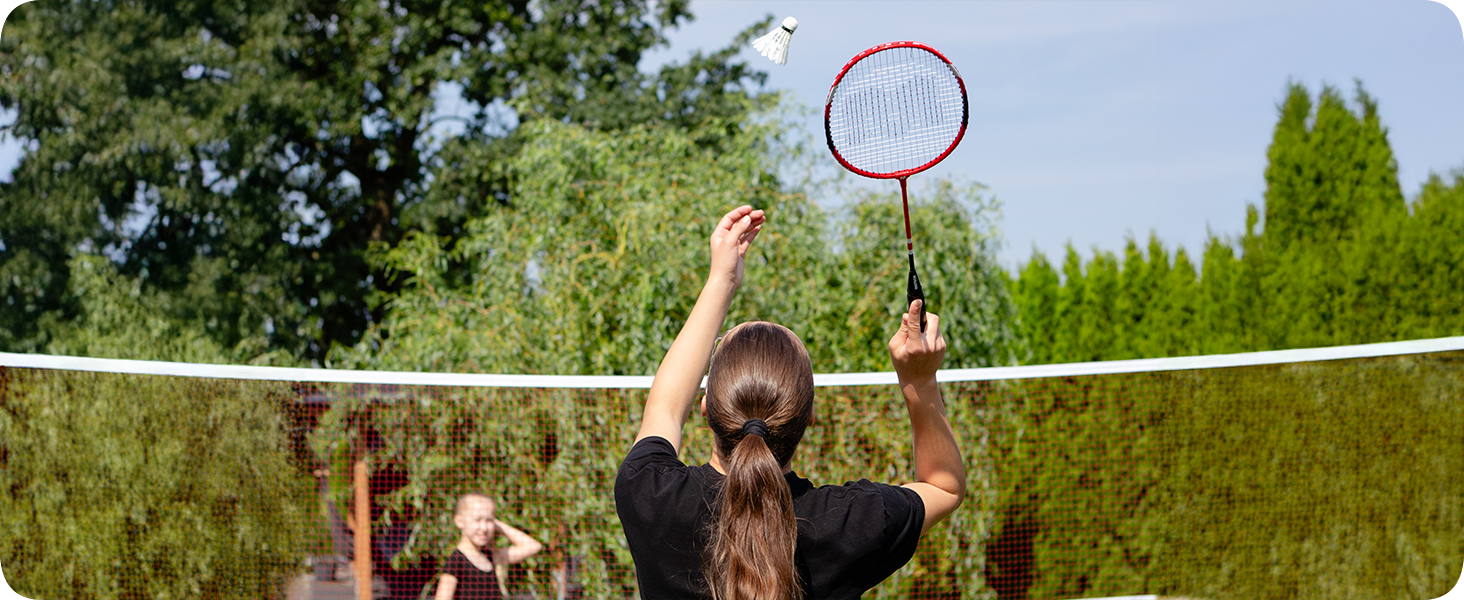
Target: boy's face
<point>476,521</point>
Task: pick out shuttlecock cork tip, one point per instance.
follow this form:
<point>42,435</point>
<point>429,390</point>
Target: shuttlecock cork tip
<point>791,24</point>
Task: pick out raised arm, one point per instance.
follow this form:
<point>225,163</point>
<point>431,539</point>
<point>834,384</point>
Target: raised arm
<point>940,474</point>
<point>680,374</point>
<point>521,545</point>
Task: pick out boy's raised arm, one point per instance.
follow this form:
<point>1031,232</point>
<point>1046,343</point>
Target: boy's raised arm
<point>680,374</point>
<point>522,545</point>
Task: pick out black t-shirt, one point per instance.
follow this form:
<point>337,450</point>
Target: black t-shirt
<point>850,537</point>
<point>472,582</point>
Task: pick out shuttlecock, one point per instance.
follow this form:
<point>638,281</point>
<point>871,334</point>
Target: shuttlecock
<point>774,45</point>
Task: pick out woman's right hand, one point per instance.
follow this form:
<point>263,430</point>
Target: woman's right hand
<point>730,240</point>
<point>917,355</point>
<point>940,472</point>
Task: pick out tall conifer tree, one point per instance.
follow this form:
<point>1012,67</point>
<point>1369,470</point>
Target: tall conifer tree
<point>1036,295</point>
<point>1328,170</point>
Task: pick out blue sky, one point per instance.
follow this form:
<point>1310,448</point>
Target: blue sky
<point>1093,121</point>
<point>1096,120</point>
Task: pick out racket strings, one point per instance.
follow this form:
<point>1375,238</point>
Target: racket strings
<point>895,110</point>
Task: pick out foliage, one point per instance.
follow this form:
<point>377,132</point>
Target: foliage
<point>255,151</point>
<point>595,264</point>
<point>1318,480</point>
<point>549,458</point>
<point>124,486</point>
<point>1342,260</point>
<point>1328,171</point>
<point>1212,485</point>
<point>1143,305</point>
<point>1309,480</point>
<point>592,269</point>
<point>117,317</point>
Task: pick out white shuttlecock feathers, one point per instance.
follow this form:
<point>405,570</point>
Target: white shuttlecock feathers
<point>774,45</point>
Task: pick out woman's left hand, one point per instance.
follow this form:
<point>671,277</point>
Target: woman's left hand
<point>730,240</point>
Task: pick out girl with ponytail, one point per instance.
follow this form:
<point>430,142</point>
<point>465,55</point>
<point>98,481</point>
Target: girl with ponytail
<point>745,526</point>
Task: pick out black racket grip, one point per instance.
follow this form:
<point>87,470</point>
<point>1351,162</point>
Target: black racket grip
<point>914,292</point>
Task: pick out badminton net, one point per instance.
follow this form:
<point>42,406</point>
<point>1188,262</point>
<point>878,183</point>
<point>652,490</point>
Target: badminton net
<point>1330,473</point>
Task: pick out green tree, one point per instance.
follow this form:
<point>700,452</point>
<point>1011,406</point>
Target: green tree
<point>1035,292</point>
<point>136,486</point>
<point>116,313</point>
<point>1431,259</point>
<point>1071,310</point>
<point>1333,205</point>
<point>1174,329</point>
<point>1328,171</point>
<point>1135,301</point>
<point>1087,307</point>
<point>593,270</point>
<point>1219,310</point>
<point>1340,258</point>
<point>594,267</point>
<point>260,149</point>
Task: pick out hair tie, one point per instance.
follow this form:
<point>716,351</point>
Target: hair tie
<point>755,427</point>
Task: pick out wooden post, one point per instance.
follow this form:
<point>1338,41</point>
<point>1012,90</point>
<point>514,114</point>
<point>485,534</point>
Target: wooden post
<point>362,535</point>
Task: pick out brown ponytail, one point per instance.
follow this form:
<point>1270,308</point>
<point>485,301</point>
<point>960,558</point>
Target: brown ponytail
<point>760,371</point>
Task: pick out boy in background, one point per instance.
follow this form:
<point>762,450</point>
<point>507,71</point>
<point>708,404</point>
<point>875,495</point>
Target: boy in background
<point>471,572</point>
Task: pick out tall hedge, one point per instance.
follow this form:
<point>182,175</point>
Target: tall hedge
<point>123,486</point>
<point>549,457</point>
<point>1309,480</point>
<point>1335,256</point>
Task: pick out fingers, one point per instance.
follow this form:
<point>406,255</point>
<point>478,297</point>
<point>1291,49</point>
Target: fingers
<point>732,216</point>
<point>932,331</point>
<point>917,354</point>
<point>908,331</point>
<point>932,322</point>
<point>747,238</point>
<point>911,321</point>
<point>911,339</point>
<point>755,220</point>
<point>730,241</point>
<point>740,226</point>
<point>736,214</point>
<point>759,216</point>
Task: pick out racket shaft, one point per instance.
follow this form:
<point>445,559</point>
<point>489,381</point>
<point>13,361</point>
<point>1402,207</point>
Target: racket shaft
<point>913,291</point>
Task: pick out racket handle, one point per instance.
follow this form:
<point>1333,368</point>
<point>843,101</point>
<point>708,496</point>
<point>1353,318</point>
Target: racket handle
<point>914,292</point>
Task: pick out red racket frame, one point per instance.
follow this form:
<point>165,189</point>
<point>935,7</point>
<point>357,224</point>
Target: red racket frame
<point>914,289</point>
<point>902,174</point>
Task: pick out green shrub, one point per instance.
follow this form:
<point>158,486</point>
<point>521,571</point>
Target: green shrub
<point>549,457</point>
<point>1309,480</point>
<point>125,486</point>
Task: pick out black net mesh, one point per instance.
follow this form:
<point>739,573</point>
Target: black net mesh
<point>1336,479</point>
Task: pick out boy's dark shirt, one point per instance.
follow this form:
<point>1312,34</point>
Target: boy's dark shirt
<point>850,537</point>
<point>472,583</point>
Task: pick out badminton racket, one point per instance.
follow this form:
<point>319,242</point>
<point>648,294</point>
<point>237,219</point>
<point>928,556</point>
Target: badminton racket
<point>895,110</point>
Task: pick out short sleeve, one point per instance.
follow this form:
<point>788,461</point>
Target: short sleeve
<point>854,536</point>
<point>904,514</point>
<point>661,505</point>
<point>652,451</point>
